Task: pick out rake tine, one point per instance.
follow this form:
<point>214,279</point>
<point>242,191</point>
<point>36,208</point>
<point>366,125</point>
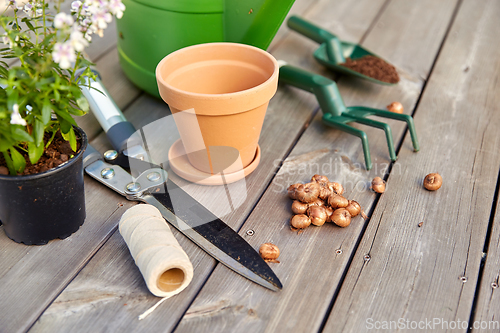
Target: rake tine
<point>361,110</point>
<point>335,122</point>
<point>377,124</point>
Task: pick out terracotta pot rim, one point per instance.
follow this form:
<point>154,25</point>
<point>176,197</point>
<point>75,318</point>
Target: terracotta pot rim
<point>56,169</point>
<point>224,96</point>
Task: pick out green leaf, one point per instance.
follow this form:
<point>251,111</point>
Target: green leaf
<point>5,145</point>
<point>64,125</point>
<point>46,111</point>
<point>39,131</point>
<point>3,71</point>
<point>54,131</point>
<point>72,139</point>
<point>18,160</point>
<point>65,115</point>
<point>21,135</point>
<point>28,23</point>
<point>12,99</point>
<point>10,164</point>
<point>65,135</point>
<point>75,111</point>
<point>43,84</point>
<point>83,103</point>
<point>46,41</point>
<point>35,152</point>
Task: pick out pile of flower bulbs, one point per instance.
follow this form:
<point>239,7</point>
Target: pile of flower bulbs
<point>321,201</point>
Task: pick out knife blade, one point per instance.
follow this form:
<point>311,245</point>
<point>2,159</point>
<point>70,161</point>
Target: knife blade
<point>215,237</point>
<point>177,207</point>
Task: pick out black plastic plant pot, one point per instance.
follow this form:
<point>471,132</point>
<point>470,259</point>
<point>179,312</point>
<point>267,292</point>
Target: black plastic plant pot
<point>35,209</point>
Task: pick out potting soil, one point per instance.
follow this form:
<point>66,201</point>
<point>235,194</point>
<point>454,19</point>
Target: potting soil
<point>57,153</point>
<point>373,67</point>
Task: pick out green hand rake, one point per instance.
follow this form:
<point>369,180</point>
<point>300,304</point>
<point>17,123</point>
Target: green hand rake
<point>337,115</point>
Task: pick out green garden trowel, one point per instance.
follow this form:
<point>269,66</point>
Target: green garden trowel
<point>332,52</point>
<point>337,115</point>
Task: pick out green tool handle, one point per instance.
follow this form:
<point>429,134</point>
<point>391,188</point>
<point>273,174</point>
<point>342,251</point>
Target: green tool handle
<point>308,29</point>
<point>326,90</point>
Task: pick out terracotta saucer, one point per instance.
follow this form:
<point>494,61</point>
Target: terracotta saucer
<point>179,164</point>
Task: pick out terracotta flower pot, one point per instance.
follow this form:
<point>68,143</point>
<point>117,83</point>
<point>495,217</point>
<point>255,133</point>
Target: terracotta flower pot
<point>218,94</point>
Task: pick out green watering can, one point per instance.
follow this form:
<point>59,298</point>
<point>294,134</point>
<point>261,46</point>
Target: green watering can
<point>338,116</point>
<point>332,51</point>
<point>151,29</point>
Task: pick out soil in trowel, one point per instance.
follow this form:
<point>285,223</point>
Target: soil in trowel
<point>373,67</point>
<point>56,154</point>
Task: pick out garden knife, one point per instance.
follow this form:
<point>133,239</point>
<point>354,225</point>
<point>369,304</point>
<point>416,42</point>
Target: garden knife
<point>152,186</point>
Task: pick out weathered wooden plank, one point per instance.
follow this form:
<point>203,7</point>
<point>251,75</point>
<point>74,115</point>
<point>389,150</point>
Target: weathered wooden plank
<point>487,314</point>
<point>313,263</point>
<point>430,272</point>
<point>286,116</point>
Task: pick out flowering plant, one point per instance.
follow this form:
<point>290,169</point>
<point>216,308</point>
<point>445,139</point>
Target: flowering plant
<point>40,92</point>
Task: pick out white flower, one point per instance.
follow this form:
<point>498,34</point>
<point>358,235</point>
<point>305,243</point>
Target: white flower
<point>100,21</point>
<point>75,5</point>
<point>86,22</point>
<point>94,6</point>
<point>116,7</point>
<point>13,4</point>
<point>78,41</point>
<point>95,3</point>
<point>86,10</point>
<point>63,20</point>
<point>64,54</point>
<point>84,25</point>
<point>7,40</point>
<point>15,118</point>
<point>28,8</point>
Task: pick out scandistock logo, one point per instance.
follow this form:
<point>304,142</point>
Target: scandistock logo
<point>161,140</point>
